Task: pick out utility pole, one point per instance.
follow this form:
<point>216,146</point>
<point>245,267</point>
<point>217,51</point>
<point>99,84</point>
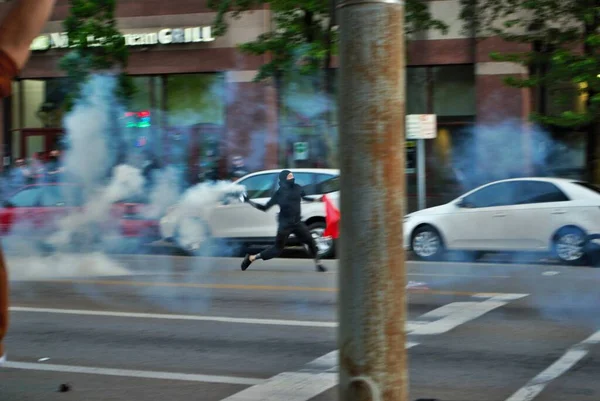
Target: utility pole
<point>372,281</point>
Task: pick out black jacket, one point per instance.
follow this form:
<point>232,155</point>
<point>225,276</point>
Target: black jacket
<point>289,198</point>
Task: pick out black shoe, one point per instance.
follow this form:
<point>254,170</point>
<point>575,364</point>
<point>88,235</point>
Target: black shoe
<point>321,268</point>
<point>246,262</point>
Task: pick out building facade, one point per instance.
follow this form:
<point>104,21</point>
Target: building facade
<point>196,101</point>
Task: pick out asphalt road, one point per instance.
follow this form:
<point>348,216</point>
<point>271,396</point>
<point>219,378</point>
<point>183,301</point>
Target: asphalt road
<point>180,328</point>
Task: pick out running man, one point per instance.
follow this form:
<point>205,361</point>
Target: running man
<point>288,197</point>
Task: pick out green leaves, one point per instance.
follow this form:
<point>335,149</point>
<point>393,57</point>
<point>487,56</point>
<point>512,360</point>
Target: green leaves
<point>563,36</point>
<point>304,38</point>
<point>96,43</point>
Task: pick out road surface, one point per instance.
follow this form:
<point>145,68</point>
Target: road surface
<point>180,328</point>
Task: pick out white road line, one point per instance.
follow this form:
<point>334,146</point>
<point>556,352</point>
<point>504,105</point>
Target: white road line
<point>411,325</point>
<point>133,373</point>
<point>296,386</point>
<point>562,365</point>
<point>468,311</point>
<point>272,322</point>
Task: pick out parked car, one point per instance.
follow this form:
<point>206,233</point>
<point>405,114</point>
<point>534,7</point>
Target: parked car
<point>525,215</point>
<point>228,218</point>
<point>35,211</point>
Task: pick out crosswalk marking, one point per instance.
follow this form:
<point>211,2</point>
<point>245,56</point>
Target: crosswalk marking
<point>320,374</point>
<point>562,365</point>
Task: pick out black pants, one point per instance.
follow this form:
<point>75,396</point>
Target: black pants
<point>283,232</point>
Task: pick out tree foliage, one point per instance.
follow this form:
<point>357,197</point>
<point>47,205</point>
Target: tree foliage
<point>562,56</point>
<point>304,35</point>
<point>97,46</point>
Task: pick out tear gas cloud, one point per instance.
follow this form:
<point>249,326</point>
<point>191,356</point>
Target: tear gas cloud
<point>508,150</point>
<point>89,160</point>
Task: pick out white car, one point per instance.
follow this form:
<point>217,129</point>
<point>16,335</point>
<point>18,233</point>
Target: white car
<point>523,215</point>
<point>220,213</point>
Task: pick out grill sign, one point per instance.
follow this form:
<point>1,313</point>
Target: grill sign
<point>60,40</point>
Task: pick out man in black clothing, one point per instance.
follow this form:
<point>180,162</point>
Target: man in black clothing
<point>288,197</point>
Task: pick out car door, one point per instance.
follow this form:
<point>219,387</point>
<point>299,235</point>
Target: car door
<point>482,219</point>
<point>541,209</point>
<point>232,218</point>
<point>20,212</point>
<point>57,202</point>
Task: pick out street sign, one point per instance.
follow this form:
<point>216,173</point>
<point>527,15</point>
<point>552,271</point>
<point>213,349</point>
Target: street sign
<point>301,151</point>
<point>421,126</point>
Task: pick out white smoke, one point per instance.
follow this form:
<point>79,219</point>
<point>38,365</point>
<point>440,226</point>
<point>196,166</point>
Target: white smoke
<point>192,215</point>
<point>89,131</point>
<point>63,265</point>
<point>164,193</point>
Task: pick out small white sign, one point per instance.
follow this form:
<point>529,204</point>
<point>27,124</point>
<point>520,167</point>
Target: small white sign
<point>301,151</point>
<point>421,126</point>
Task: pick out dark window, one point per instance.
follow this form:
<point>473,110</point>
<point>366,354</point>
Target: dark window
<point>306,181</point>
<point>28,197</point>
<point>58,195</point>
<point>589,186</point>
<point>500,194</point>
<point>259,186</point>
<point>539,192</point>
<point>327,183</point>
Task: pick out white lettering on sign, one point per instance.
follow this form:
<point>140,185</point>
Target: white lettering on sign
<point>60,40</point>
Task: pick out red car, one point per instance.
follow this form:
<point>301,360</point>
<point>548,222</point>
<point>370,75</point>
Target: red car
<point>35,210</point>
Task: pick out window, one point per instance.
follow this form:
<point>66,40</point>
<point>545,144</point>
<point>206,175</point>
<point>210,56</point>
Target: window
<point>501,194</point>
<point>195,98</point>
<point>259,186</point>
<point>589,186</point>
<point>539,192</point>
<point>454,90</point>
<point>306,181</point>
<point>57,196</point>
<point>327,183</point>
<point>28,197</point>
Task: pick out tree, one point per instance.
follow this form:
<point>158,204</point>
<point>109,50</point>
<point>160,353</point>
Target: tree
<point>303,43</point>
<point>97,45</point>
<point>562,59</point>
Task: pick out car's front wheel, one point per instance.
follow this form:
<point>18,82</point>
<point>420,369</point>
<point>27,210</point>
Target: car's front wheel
<point>570,246</point>
<point>426,243</point>
<point>191,235</point>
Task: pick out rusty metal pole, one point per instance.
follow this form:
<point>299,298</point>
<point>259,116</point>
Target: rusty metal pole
<point>372,303</point>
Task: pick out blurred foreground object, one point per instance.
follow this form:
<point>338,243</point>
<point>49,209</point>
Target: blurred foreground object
<point>20,26</point>
<point>372,297</point>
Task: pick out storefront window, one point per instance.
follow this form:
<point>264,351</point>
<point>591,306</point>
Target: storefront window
<point>416,90</point>
<point>195,99</point>
<point>454,90</point>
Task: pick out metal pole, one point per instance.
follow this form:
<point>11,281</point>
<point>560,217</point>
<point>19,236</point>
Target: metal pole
<point>372,281</point>
<point>421,182</point>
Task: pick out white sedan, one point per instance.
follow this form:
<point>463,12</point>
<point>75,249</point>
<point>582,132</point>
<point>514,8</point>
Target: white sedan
<point>216,212</point>
<point>523,215</point>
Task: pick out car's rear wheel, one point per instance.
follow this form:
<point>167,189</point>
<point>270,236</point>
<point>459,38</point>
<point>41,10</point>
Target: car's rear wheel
<point>325,245</point>
<point>427,244</point>
<point>570,244</point>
